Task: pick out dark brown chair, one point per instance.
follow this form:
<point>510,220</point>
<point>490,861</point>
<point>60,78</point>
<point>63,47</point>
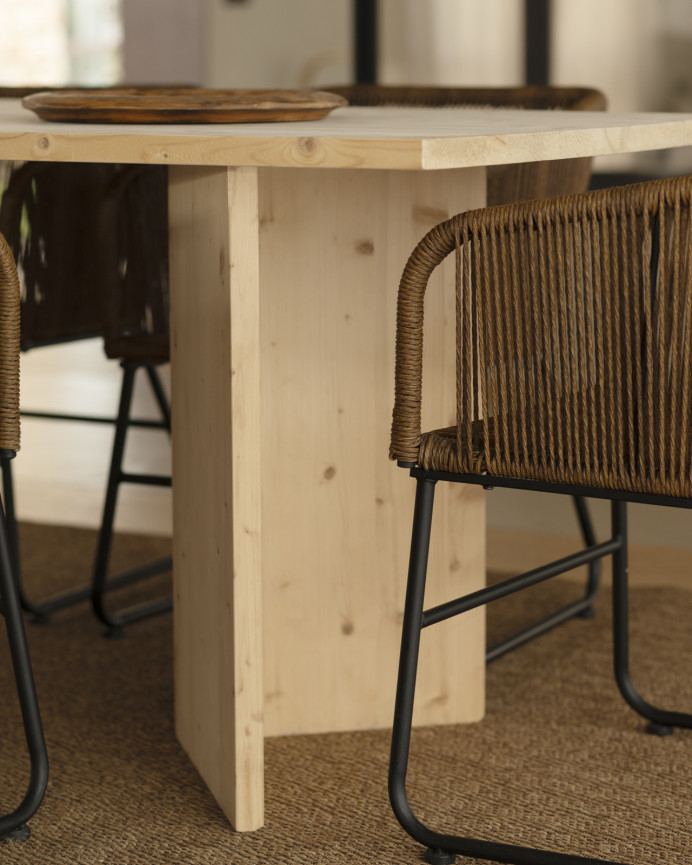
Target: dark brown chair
<point>574,337</point>
<point>507,184</point>
<point>91,243</point>
<point>13,824</point>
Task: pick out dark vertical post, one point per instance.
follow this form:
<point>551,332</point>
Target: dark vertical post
<point>537,41</point>
<point>365,41</point>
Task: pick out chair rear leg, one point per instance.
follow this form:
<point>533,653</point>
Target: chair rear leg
<point>13,824</point>
<point>159,395</point>
<point>593,579</point>
<point>661,721</point>
<point>100,582</point>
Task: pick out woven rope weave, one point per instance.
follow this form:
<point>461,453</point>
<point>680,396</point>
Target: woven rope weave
<point>574,341</point>
<point>9,350</point>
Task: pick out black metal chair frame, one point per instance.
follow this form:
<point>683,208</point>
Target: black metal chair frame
<point>106,324</point>
<point>13,825</point>
<point>582,607</point>
<point>441,848</point>
<point>101,583</point>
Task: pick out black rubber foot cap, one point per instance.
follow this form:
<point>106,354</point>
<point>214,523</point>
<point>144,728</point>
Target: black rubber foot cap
<point>659,729</point>
<point>21,833</point>
<point>438,857</point>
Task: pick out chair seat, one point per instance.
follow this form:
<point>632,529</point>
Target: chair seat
<point>138,347</point>
<point>439,451</point>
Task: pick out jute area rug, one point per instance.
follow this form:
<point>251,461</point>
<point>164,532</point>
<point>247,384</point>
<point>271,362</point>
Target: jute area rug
<point>559,762</point>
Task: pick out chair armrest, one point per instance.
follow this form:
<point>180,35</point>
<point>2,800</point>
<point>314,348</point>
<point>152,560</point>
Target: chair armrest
<point>9,350</point>
<point>408,374</point>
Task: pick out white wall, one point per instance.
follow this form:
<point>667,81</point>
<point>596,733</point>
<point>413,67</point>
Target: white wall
<point>275,43</point>
<point>165,41</point>
<point>610,44</point>
<point>638,52</point>
<point>451,42</point>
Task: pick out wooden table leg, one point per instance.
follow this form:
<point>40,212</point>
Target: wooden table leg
<point>216,482</point>
<point>336,514</point>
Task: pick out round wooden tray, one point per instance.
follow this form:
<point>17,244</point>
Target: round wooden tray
<point>138,105</point>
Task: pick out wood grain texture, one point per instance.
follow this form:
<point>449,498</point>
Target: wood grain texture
<point>398,139</point>
<point>333,244</point>
<point>181,105</point>
<point>336,514</point>
<point>216,482</point>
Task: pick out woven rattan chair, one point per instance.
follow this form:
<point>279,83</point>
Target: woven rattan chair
<point>574,376</point>
<point>13,824</point>
<point>507,184</point>
<point>91,243</point>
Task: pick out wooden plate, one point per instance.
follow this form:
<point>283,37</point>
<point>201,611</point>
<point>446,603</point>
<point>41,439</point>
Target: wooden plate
<point>138,105</point>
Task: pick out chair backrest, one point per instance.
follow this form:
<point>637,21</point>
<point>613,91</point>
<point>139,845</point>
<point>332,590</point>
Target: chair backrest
<point>9,351</point>
<point>506,183</point>
<point>91,246</point>
<point>574,335</point>
<point>47,214</point>
<point>132,249</point>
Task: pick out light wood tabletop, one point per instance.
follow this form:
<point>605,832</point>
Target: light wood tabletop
<point>391,138</point>
<point>290,524</point>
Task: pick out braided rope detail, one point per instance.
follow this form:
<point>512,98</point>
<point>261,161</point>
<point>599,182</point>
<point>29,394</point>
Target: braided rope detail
<point>574,341</point>
<point>9,350</point>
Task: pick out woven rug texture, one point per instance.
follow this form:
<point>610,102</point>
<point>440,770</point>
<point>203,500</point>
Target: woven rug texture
<point>559,762</point>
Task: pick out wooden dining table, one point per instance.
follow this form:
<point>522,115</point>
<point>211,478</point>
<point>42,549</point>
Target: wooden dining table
<point>291,526</point>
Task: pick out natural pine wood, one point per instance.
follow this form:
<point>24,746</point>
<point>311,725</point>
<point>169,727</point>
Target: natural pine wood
<point>216,512</point>
<point>335,516</point>
<point>395,138</point>
<point>217,560</point>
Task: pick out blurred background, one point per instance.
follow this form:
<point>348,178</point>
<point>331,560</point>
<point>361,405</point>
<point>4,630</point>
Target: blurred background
<point>638,52</point>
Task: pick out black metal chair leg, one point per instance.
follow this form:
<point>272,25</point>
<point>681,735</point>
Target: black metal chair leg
<point>583,607</point>
<point>41,612</point>
<point>589,537</point>
<point>14,822</point>
<point>661,721</point>
<point>10,515</point>
<point>100,582</point>
<point>440,848</point>
<point>12,532</point>
<point>159,395</point>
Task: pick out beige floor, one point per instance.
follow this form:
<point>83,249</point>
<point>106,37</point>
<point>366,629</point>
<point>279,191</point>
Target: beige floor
<point>60,472</point>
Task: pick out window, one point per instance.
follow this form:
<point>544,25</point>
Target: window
<point>56,42</point>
